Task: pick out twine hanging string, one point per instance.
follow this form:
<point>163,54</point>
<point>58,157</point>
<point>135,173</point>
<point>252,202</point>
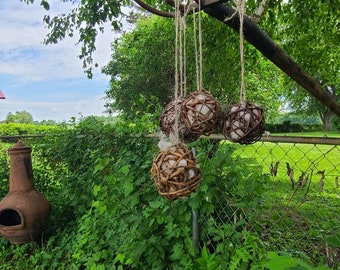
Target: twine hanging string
<point>180,58</point>
<point>198,48</point>
<point>177,68</point>
<point>182,49</point>
<point>177,15</point>
<point>180,65</point>
<point>240,10</point>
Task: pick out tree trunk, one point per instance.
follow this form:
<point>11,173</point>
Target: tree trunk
<point>326,118</point>
<point>261,41</point>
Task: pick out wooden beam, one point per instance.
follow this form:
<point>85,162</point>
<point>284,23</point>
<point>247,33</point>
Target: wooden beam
<point>209,2</point>
<point>261,41</point>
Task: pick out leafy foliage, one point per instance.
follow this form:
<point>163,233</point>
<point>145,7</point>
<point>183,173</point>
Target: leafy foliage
<point>16,129</point>
<point>278,262</point>
<point>107,213</point>
<point>313,44</point>
<point>307,30</point>
<point>143,63</point>
<point>22,117</point>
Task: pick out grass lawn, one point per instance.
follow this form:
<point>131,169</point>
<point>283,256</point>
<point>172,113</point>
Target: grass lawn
<point>299,218</point>
<point>303,158</point>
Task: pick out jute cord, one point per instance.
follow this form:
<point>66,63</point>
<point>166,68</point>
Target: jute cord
<point>179,65</point>
<point>198,48</point>
<point>240,10</point>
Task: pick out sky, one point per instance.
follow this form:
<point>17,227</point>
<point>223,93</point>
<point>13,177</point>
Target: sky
<point>47,81</point>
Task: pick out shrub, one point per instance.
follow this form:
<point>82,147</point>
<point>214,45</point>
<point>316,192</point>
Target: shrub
<point>107,213</point>
<point>14,129</point>
<point>336,123</point>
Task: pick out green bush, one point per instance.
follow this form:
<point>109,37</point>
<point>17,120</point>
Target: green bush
<point>107,213</point>
<point>15,129</point>
<point>4,170</point>
<point>288,126</point>
<point>336,122</point>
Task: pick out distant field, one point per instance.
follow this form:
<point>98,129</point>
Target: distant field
<point>310,159</point>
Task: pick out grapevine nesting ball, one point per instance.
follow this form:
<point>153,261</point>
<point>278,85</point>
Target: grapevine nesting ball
<point>168,122</point>
<point>244,123</point>
<point>201,112</point>
<point>175,173</point>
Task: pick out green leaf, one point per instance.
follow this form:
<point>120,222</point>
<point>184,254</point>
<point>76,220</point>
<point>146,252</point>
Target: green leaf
<point>128,188</point>
<point>100,206</point>
<point>45,4</point>
<point>177,253</point>
<point>125,169</point>
<point>156,204</point>
<point>285,262</point>
<point>96,190</point>
<point>334,240</point>
<point>120,258</point>
<point>204,253</point>
<point>195,202</point>
<point>207,261</point>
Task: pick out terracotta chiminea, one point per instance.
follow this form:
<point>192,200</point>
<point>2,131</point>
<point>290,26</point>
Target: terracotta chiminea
<point>23,211</point>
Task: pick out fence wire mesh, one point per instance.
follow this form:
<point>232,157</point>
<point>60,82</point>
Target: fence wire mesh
<point>298,210</point>
<point>299,207</point>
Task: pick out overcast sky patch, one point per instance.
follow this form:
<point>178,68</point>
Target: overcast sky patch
<point>48,81</point>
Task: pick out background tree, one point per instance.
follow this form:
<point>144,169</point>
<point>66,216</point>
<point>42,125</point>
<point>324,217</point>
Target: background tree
<point>309,32</point>
<point>143,64</point>
<point>304,28</point>
<point>22,117</point>
<point>48,122</point>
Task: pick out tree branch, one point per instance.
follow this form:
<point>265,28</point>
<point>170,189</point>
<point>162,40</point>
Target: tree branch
<point>262,42</point>
<point>257,15</point>
<point>185,9</point>
<point>154,10</point>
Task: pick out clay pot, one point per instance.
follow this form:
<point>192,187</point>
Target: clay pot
<point>23,211</point>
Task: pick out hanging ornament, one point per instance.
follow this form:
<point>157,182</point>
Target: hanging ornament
<point>175,173</point>
<point>172,127</point>
<point>244,123</point>
<point>174,169</point>
<point>201,112</point>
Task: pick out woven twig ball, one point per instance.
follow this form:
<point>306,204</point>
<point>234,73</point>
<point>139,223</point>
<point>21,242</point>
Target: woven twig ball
<point>175,173</point>
<point>168,123</point>
<point>244,123</point>
<point>201,112</point>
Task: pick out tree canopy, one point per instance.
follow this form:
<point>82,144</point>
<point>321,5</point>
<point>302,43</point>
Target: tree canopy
<point>22,117</point>
<point>143,63</point>
<point>308,30</point>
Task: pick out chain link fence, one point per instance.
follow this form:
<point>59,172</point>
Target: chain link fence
<point>299,210</point>
<point>299,207</point>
